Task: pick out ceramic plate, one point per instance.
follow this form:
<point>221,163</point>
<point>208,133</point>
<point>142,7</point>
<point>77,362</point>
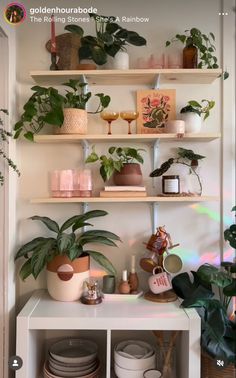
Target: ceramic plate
<point>48,374</point>
<point>73,374</point>
<point>74,350</point>
<point>67,368</point>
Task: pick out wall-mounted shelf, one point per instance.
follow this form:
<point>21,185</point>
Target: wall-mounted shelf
<point>152,199</point>
<point>149,138</point>
<point>129,77</point>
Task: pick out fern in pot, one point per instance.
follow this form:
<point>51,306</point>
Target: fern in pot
<point>65,255</point>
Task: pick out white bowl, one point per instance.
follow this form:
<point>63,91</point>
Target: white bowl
<point>74,351</point>
<point>126,373</point>
<point>125,361</point>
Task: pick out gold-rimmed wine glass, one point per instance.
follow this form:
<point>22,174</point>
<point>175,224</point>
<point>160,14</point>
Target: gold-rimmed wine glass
<point>129,116</point>
<point>109,116</point>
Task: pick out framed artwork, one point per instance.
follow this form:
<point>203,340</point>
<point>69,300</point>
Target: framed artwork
<point>155,107</point>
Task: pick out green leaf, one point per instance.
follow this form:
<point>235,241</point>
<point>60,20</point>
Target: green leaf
<point>29,136</point>
<point>30,247</point>
<point>103,261</point>
<point>49,223</point>
<point>55,117</point>
<point>194,104</point>
<point>74,252</point>
<point>77,219</point>
<point>111,150</point>
<point>25,270</point>
<point>106,234</point>
<point>65,241</point>
<point>17,133</point>
<point>233,208</point>
<point>84,239</point>
<point>40,256</point>
<point>225,75</point>
<point>92,158</point>
<point>18,125</point>
<point>98,55</point>
<point>112,27</point>
<point>213,275</point>
<point>168,43</point>
<point>135,39</point>
<point>75,29</point>
<point>212,36</point>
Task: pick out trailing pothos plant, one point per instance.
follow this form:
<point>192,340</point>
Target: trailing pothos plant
<point>218,335</point>
<point>4,138</point>
<point>194,106</point>
<point>46,106</point>
<point>185,157</point>
<point>116,159</point>
<point>41,250</point>
<point>110,38</point>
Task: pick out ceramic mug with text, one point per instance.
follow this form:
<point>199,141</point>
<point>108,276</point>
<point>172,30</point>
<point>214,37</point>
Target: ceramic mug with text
<point>159,282</point>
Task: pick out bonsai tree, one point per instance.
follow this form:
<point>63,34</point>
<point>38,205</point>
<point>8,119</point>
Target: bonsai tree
<point>46,106</point>
<point>41,250</point>
<point>116,159</point>
<point>218,331</point>
<point>110,38</point>
<point>195,107</point>
<point>4,138</point>
<point>204,44</point>
<point>185,157</point>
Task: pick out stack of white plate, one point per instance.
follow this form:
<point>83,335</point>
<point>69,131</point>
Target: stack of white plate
<point>133,358</point>
<point>75,358</point>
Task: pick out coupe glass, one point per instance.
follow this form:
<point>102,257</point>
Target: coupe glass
<point>109,116</point>
<point>129,116</point>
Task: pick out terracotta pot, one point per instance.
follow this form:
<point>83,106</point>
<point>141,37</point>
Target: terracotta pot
<point>130,174</point>
<point>65,277</point>
<point>75,122</point>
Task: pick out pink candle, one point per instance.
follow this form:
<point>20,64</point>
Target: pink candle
<point>53,36</point>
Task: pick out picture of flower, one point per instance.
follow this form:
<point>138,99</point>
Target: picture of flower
<point>155,107</point>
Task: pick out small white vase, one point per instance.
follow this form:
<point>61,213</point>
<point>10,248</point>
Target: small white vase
<point>121,61</point>
<point>176,126</point>
<point>193,122</point>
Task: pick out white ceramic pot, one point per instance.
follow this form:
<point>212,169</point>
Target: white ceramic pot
<point>193,122</point>
<point>75,122</point>
<point>65,278</point>
<point>176,126</point>
<point>121,61</point>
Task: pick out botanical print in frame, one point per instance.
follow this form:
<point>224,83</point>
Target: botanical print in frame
<point>155,107</point>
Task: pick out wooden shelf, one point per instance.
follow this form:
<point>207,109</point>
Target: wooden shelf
<point>150,138</point>
<point>129,77</point>
<point>128,199</point>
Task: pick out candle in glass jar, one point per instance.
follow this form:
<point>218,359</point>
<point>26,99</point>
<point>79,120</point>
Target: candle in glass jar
<point>53,36</point>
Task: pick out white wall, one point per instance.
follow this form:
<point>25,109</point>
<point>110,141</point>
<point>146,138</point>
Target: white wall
<point>198,232</point>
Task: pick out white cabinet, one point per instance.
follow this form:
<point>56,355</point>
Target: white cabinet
<point>42,320</point>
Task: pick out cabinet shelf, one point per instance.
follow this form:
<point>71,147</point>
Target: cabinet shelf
<point>129,77</point>
<point>152,199</point>
<point>149,138</point>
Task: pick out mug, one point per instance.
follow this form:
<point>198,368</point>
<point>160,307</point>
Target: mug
<point>159,282</point>
<point>152,373</point>
<point>108,284</point>
<point>172,263</point>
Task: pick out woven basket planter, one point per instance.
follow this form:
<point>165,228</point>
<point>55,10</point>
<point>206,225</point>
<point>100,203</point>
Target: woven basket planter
<point>209,369</point>
<point>75,122</point>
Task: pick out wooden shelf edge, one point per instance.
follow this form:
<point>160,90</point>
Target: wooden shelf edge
<point>128,199</point>
<point>72,138</point>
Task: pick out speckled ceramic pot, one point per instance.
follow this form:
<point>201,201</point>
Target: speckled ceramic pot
<point>65,277</point>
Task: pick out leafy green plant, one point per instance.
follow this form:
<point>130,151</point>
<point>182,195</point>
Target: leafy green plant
<point>41,250</point>
<point>116,159</point>
<point>195,107</point>
<point>204,44</point>
<point>46,106</point>
<point>4,138</point>
<point>110,38</point>
<point>218,332</point>
<point>230,233</point>
<point>184,157</point>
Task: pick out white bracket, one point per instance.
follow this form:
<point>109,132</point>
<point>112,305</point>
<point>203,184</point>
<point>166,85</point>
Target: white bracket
<point>155,154</point>
<point>154,216</point>
<point>156,84</point>
<point>85,145</point>
<point>84,206</point>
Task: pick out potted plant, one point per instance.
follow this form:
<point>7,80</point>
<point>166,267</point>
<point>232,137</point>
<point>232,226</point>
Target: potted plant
<point>186,158</point>
<point>121,164</point>
<point>64,254</point>
<point>191,114</point>
<point>218,337</point>
<point>230,233</point>
<point>4,138</point>
<point>67,112</point>
<point>110,40</point>
<point>198,46</point>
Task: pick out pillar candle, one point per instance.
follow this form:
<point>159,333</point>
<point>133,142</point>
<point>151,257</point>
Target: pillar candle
<point>133,264</point>
<point>124,275</point>
<point>53,36</point>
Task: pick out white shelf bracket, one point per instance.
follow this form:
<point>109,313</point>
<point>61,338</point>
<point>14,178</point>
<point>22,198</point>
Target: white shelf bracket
<point>155,155</point>
<point>85,145</point>
<point>154,216</point>
<point>156,84</point>
<point>84,207</point>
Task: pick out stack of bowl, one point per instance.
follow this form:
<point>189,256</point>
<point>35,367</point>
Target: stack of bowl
<point>133,358</point>
<point>75,358</point>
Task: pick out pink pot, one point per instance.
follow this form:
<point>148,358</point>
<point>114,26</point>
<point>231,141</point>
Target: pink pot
<point>130,174</point>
